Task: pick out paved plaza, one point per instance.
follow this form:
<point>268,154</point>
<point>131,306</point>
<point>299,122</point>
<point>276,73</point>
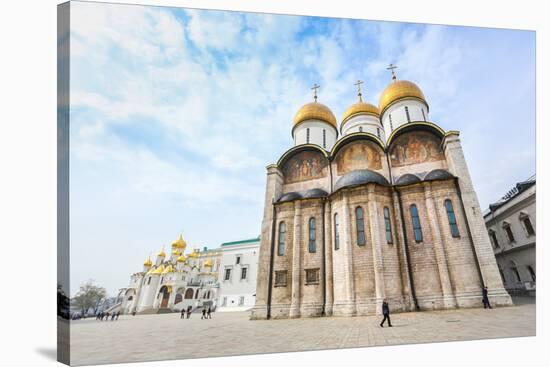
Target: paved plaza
<point>161,337</point>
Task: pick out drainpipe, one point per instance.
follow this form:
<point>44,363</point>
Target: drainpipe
<point>404,229</point>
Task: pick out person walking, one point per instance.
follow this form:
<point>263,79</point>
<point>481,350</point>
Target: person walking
<point>203,313</point>
<point>209,313</point>
<point>113,315</point>
<point>386,313</point>
<point>182,314</point>
<point>117,314</point>
<point>189,311</point>
<point>107,314</point>
<point>486,303</point>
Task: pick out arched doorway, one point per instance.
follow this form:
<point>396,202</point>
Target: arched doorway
<point>189,293</point>
<point>165,292</point>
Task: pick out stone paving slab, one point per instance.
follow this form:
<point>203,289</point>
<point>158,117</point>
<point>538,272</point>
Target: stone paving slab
<point>162,337</point>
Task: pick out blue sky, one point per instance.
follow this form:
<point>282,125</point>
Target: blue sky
<point>175,113</point>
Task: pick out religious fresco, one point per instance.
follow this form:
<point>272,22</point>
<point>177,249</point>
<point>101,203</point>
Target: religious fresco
<point>416,147</point>
<point>358,155</point>
<point>305,166</point>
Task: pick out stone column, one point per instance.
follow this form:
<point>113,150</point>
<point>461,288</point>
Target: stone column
<point>403,262</point>
<point>345,238</point>
<point>296,261</point>
<point>449,300</point>
<point>378,263</point>
<point>479,236</point>
<point>329,289</point>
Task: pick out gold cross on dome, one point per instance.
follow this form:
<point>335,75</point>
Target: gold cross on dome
<point>314,88</point>
<point>392,67</point>
<point>358,84</point>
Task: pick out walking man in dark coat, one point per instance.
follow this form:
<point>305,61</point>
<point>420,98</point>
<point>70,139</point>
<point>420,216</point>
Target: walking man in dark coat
<point>486,303</point>
<point>189,311</point>
<point>208,313</point>
<point>386,313</point>
<point>203,313</point>
<point>182,313</point>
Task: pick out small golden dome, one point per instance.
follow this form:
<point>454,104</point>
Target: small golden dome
<point>179,243</point>
<point>208,263</point>
<point>360,108</point>
<point>315,111</point>
<point>148,262</point>
<point>194,254</point>
<point>181,259</point>
<point>158,270</point>
<point>161,253</point>
<point>397,90</point>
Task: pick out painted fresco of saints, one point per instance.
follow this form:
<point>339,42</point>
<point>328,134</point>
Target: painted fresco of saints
<point>304,166</point>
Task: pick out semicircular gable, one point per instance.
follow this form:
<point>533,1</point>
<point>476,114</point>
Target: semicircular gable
<point>303,163</point>
<point>360,152</point>
<point>415,146</point>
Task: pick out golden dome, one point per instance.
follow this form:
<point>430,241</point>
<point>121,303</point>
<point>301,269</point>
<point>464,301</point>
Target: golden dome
<point>179,243</point>
<point>316,111</point>
<point>176,252</point>
<point>162,253</point>
<point>399,89</point>
<point>158,270</point>
<point>194,254</point>
<point>148,262</point>
<point>360,108</point>
<point>181,259</point>
<point>208,263</point>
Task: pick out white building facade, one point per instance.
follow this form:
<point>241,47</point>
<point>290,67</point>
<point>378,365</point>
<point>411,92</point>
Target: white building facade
<point>237,275</point>
<point>511,224</point>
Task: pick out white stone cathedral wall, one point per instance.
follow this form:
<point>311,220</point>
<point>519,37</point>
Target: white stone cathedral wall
<point>368,123</point>
<point>399,116</point>
<point>316,128</point>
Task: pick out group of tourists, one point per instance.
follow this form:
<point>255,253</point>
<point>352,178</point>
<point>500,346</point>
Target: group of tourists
<point>101,316</point>
<point>206,313</point>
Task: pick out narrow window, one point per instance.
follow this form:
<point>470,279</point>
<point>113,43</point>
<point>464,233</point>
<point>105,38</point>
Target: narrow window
<point>224,302</point>
<point>312,276</point>
<point>324,138</point>
<point>531,272</point>
<point>241,300</point>
<point>494,238</point>
<point>423,114</point>
<point>387,223</point>
<point>149,281</point>
<point>516,273</point>
<point>509,233</point>
<point>312,245</point>
<point>408,115</point>
<point>528,226</point>
<point>243,273</point>
<point>416,224</point>
<point>452,218</point>
<point>360,129</point>
<point>238,259</point>
<point>336,233</point>
<point>502,274</point>
<point>227,274</point>
<point>378,132</point>
<point>360,224</point>
<point>307,135</point>
<point>282,233</point>
<point>280,278</point>
<point>197,294</point>
<point>391,123</point>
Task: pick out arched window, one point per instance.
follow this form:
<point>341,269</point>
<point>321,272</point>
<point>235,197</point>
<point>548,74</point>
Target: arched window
<point>502,274</point>
<point>378,132</point>
<point>531,272</point>
<point>360,226</point>
<point>391,122</point>
<point>312,245</point>
<point>178,299</point>
<point>149,281</point>
<point>493,236</point>
<point>423,114</point>
<point>452,218</point>
<point>407,113</point>
<point>189,293</point>
<point>307,135</point>
<point>360,129</point>
<point>387,224</point>
<point>417,229</point>
<point>526,220</point>
<point>336,232</point>
<point>282,234</point>
<point>324,138</point>
<point>509,232</point>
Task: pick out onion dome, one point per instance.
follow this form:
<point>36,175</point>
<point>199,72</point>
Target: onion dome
<point>148,262</point>
<point>315,111</point>
<point>168,269</point>
<point>194,254</point>
<point>179,243</point>
<point>176,252</point>
<point>208,263</point>
<point>399,89</point>
<point>158,270</point>
<point>162,253</point>
<point>181,259</point>
<point>362,108</point>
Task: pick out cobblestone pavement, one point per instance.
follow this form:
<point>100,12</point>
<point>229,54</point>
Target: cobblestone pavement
<point>161,337</point>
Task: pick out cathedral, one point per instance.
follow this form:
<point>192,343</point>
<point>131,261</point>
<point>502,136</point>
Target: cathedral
<point>377,206</point>
<point>173,282</point>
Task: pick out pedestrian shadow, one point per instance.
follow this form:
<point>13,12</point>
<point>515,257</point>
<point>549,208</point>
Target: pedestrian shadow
<point>49,353</point>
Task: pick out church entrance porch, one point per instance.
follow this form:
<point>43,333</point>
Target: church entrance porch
<point>165,294</point>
